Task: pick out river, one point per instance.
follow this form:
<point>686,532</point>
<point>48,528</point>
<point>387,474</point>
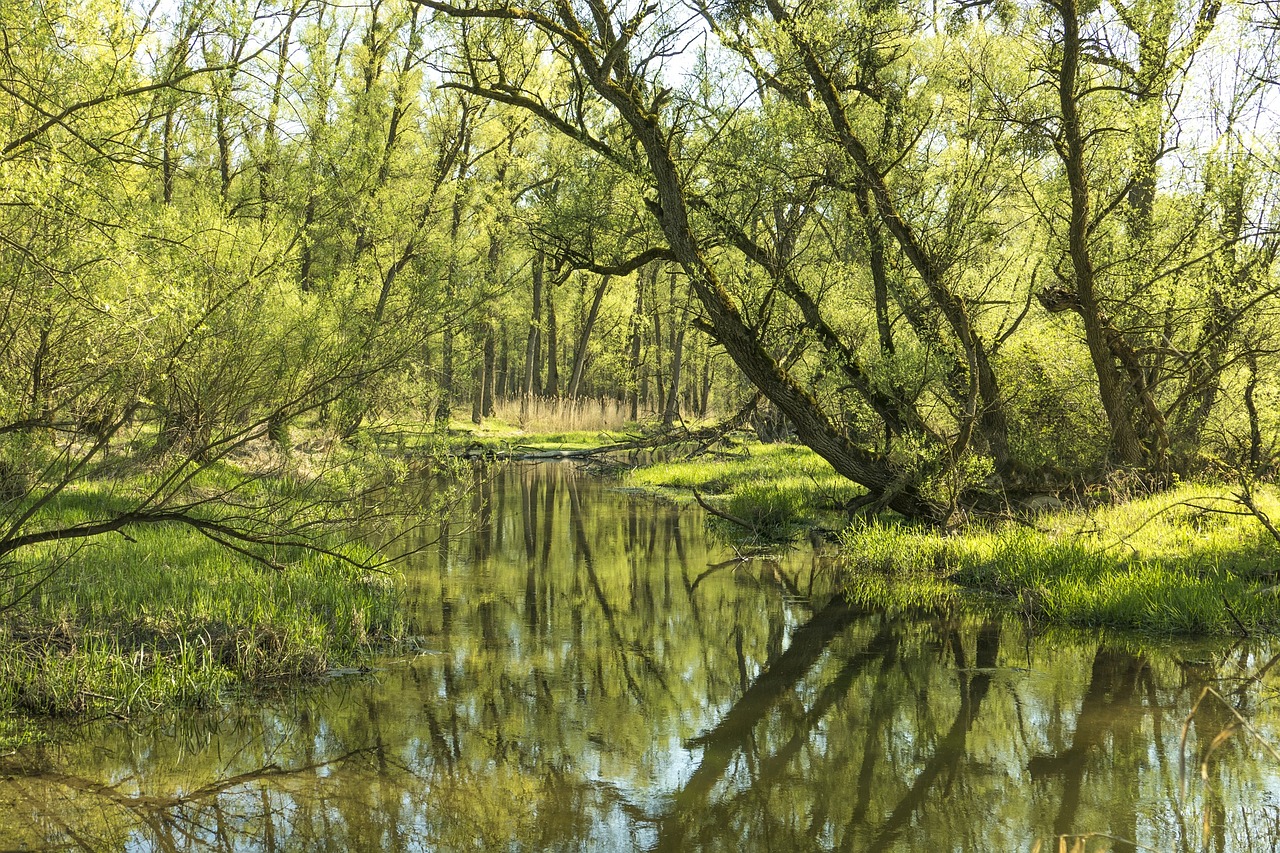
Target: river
<point>594,672</point>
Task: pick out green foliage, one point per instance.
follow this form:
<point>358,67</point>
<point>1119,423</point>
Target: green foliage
<point>1057,428</point>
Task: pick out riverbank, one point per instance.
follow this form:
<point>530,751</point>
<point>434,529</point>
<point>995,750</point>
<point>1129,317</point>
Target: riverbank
<point>1190,560</point>
<point>160,614</point>
<point>170,618</point>
<point>165,616</point>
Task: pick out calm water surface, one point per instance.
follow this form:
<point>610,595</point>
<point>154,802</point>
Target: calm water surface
<point>596,674</point>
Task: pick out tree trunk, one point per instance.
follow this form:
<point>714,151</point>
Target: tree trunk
<point>659,375</point>
<point>637,331</point>
<point>1251,407</point>
<point>306,258</point>
<point>270,144</point>
<point>533,344</point>
<point>444,406</point>
<point>553,346</point>
<point>1101,338</point>
<point>505,384</point>
<point>489,379</point>
<point>167,164</point>
<point>672,412</point>
<point>879,273</point>
<point>584,338</point>
<point>477,396</point>
<point>704,402</point>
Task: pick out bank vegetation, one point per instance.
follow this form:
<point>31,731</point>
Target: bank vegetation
<point>966,253</point>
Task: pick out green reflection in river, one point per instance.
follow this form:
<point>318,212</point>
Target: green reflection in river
<point>596,675</point>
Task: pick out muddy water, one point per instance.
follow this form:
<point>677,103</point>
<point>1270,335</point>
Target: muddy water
<point>594,674</point>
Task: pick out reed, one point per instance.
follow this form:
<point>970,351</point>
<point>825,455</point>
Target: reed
<point>559,414</point>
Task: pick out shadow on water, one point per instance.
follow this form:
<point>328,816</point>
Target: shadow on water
<point>598,675</point>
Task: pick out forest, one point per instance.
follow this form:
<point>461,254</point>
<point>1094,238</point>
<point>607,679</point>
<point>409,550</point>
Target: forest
<point>957,249</point>
<point>964,252</point>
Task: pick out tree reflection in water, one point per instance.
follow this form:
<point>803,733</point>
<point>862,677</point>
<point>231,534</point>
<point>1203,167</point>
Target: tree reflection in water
<point>601,676</point>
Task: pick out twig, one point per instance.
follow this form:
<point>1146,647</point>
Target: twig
<point>1244,632</point>
<point>1245,496</point>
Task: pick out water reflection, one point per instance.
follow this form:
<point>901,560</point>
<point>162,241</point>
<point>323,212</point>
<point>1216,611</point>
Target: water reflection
<point>597,676</point>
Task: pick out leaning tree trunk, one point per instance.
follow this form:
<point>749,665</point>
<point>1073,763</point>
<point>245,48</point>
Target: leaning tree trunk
<point>1121,394</point>
<point>741,342</point>
<point>584,339</point>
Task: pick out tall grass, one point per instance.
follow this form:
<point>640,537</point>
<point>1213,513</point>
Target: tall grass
<point>556,414</point>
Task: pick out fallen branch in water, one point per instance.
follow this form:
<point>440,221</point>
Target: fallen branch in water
<point>721,513</point>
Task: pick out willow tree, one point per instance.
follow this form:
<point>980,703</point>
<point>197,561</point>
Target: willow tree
<point>603,87</point>
<point>1140,123</point>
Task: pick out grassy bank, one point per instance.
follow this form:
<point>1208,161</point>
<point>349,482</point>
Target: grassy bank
<point>778,490</point>
<point>1189,560</point>
<point>1186,561</point>
<point>165,616</point>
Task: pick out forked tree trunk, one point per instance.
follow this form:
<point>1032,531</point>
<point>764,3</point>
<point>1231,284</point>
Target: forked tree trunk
<point>1135,439</point>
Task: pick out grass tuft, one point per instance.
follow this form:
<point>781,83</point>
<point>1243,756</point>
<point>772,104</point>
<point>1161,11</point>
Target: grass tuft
<point>778,489</point>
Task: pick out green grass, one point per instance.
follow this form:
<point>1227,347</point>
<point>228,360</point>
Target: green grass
<point>1187,561</point>
<point>1177,563</point>
<point>166,616</point>
<point>778,489</point>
